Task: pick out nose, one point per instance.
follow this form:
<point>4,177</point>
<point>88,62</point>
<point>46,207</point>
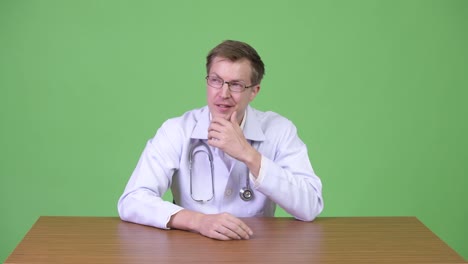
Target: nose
<point>225,92</point>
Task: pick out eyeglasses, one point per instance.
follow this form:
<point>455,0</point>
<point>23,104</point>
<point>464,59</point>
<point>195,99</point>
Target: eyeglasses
<point>235,86</point>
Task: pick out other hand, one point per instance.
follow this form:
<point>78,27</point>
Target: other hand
<point>223,226</point>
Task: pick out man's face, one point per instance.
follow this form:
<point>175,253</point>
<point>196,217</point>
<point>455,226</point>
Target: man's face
<point>222,102</point>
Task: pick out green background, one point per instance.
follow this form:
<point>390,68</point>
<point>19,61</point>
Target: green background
<point>377,89</point>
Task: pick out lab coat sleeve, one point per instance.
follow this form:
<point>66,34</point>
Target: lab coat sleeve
<point>288,179</point>
<point>142,201</point>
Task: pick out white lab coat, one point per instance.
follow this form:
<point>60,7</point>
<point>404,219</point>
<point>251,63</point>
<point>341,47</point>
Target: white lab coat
<point>286,176</point>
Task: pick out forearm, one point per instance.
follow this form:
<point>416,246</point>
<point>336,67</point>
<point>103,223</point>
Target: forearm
<point>185,220</point>
<point>142,201</point>
<point>141,206</point>
<point>299,192</point>
<point>253,160</point>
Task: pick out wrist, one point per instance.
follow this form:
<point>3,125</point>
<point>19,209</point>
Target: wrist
<point>253,161</point>
<point>195,221</point>
<point>186,220</point>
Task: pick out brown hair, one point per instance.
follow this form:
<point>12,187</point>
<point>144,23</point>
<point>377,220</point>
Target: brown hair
<point>237,50</point>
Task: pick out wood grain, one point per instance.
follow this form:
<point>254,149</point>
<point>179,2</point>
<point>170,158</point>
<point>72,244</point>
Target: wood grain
<point>275,240</point>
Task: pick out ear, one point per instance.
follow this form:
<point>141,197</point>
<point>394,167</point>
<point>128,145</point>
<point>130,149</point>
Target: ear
<point>254,92</point>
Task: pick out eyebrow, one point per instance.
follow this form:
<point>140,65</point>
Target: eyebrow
<point>235,80</point>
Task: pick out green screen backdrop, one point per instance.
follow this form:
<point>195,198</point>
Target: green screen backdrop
<point>377,89</point>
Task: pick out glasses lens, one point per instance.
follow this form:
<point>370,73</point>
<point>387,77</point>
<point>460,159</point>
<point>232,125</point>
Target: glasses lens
<point>237,87</point>
<point>215,81</point>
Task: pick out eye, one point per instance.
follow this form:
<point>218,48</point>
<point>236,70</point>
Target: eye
<point>236,86</point>
<point>216,80</point>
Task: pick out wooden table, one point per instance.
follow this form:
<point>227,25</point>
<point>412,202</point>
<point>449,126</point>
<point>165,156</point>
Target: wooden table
<point>275,240</point>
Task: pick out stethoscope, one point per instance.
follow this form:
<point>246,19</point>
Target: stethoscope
<point>245,193</point>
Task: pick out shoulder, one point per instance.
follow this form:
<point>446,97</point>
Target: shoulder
<point>178,128</point>
<point>176,131</point>
<point>278,131</point>
<point>270,120</point>
<point>187,119</point>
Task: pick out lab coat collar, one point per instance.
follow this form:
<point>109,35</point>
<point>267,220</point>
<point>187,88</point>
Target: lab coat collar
<point>252,129</point>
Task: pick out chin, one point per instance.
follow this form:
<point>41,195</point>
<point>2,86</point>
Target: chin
<point>225,116</point>
<point>222,115</point>
<point>215,112</point>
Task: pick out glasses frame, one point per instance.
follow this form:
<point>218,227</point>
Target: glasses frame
<point>229,84</point>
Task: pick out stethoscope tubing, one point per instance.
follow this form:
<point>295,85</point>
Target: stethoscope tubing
<point>210,158</point>
<point>245,193</point>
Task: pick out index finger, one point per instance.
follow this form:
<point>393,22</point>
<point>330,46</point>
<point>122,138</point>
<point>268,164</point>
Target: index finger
<point>239,227</point>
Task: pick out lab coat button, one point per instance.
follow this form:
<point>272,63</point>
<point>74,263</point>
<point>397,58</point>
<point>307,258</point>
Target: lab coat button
<point>228,192</point>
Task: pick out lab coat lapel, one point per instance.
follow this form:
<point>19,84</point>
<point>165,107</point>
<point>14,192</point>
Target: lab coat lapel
<point>252,129</point>
<point>200,131</point>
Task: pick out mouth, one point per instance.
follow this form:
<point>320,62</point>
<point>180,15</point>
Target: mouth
<point>224,107</point>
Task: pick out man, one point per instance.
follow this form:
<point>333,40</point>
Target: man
<point>223,161</point>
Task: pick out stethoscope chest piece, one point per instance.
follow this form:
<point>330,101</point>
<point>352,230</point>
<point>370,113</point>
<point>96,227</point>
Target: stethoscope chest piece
<point>246,194</point>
